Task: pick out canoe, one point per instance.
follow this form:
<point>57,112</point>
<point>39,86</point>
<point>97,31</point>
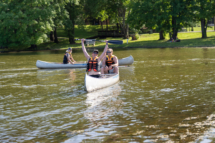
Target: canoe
<point>92,83</point>
<point>51,65</point>
<point>126,61</point>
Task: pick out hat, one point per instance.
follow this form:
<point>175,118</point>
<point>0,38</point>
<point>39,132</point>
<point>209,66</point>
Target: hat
<point>69,48</point>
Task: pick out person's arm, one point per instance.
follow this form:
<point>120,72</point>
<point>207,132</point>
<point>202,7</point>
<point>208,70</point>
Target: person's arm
<point>68,58</point>
<point>104,52</point>
<point>84,50</point>
<point>115,59</point>
<point>103,62</point>
<point>72,58</point>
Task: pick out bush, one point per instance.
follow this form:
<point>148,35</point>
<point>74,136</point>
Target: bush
<point>136,36</point>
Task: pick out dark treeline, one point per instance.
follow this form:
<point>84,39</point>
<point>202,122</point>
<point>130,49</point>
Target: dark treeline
<point>28,23</point>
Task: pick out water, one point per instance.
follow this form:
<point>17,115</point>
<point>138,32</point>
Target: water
<point>167,95</point>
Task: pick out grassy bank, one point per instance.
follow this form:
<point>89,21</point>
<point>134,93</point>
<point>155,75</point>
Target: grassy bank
<point>189,39</point>
<point>146,40</point>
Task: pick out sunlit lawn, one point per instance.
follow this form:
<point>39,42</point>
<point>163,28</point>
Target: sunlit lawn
<point>145,41</point>
<point>189,39</point>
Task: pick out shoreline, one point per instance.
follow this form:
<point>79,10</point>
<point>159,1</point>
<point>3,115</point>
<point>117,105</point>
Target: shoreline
<point>91,48</point>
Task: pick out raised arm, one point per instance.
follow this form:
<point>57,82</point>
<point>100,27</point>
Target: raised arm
<point>103,62</point>
<point>84,50</point>
<point>104,52</point>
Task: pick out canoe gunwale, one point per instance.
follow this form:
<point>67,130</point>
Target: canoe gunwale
<point>51,65</point>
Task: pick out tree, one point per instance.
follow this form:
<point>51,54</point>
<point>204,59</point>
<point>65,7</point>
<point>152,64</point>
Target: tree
<point>116,10</point>
<point>61,15</point>
<point>119,11</point>
<point>162,15</point>
<point>75,11</point>
<point>24,23</point>
<point>204,12</point>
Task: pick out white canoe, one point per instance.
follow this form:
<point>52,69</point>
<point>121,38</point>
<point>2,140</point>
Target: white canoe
<point>92,83</point>
<point>126,61</point>
<point>51,65</point>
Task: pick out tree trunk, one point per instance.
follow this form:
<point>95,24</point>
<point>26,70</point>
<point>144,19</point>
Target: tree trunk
<point>204,28</point>
<point>214,23</point>
<point>102,25</point>
<point>161,35</point>
<point>55,35</point>
<point>117,26</point>
<point>51,36</point>
<point>107,24</point>
<point>174,28</point>
<point>72,31</point>
<point>170,36</point>
<point>33,46</point>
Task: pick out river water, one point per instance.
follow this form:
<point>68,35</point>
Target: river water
<point>167,95</point>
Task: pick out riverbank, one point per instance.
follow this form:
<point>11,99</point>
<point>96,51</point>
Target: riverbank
<point>188,39</point>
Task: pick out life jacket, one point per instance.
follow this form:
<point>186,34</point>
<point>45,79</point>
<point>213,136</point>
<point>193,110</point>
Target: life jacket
<point>92,64</point>
<point>65,59</point>
<point>109,61</point>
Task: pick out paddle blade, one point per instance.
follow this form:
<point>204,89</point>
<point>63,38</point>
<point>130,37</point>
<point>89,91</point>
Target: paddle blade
<point>115,42</point>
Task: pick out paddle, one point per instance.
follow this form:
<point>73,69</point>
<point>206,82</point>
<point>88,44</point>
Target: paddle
<point>109,41</point>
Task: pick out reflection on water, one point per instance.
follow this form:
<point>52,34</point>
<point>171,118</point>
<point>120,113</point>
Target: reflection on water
<point>102,102</point>
<point>166,96</point>
<point>100,105</point>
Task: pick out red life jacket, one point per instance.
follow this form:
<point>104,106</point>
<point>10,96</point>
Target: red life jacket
<point>92,64</point>
<point>109,61</point>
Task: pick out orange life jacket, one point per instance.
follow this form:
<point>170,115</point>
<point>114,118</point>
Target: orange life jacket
<point>92,64</point>
<point>109,61</point>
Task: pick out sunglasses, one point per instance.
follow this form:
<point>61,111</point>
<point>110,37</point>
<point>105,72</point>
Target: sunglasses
<point>108,52</point>
<point>95,52</point>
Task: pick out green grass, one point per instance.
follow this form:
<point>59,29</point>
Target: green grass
<point>199,28</point>
<point>192,39</point>
<point>189,39</point>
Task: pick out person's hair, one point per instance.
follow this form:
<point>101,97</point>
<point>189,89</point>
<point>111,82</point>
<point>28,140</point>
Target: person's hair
<point>110,50</point>
<point>95,51</point>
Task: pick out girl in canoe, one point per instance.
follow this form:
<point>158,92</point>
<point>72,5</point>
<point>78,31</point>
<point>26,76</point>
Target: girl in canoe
<point>68,57</point>
<point>93,62</point>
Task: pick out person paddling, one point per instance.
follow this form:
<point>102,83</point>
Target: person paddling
<point>68,57</point>
<point>93,62</point>
<point>110,63</point>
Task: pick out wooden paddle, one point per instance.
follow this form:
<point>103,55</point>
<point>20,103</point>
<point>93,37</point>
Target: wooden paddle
<point>109,41</point>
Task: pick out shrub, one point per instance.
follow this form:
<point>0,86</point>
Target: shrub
<point>136,36</point>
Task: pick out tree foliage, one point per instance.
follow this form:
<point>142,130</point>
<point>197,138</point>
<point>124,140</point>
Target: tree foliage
<point>25,22</point>
<point>75,15</point>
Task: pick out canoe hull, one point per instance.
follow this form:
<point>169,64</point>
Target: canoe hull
<point>50,65</point>
<point>47,65</point>
<point>92,84</point>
